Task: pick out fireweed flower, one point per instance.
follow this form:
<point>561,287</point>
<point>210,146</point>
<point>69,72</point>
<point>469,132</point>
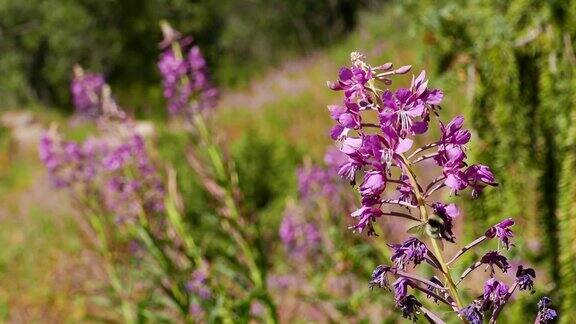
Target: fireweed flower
<point>301,239</point>
<point>494,292</point>
<point>493,258</point>
<point>198,284</point>
<point>502,231</point>
<point>134,185</point>
<point>545,313</point>
<point>525,278</point>
<point>381,157</point>
<point>447,213</point>
<point>401,288</point>
<point>185,76</point>
<point>410,307</point>
<point>473,314</point>
<point>411,251</point>
<point>86,89</point>
<point>380,276</point>
<point>69,164</point>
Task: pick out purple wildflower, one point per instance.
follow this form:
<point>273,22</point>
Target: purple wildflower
<point>494,292</point>
<point>380,276</point>
<point>525,278</point>
<point>197,284</point>
<point>68,163</point>
<point>412,250</point>
<point>300,238</point>
<point>479,176</point>
<point>401,288</point>
<point>86,89</point>
<point>493,258</point>
<point>545,313</point>
<point>410,307</point>
<point>185,76</point>
<point>353,82</point>
<point>472,314</point>
<point>502,232</point>
<point>134,184</point>
<point>453,134</point>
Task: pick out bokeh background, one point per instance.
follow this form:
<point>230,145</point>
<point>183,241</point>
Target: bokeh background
<point>508,66</point>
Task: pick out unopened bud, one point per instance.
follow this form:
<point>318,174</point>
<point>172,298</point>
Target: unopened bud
<point>403,70</point>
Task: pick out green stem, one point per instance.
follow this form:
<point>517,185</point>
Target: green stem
<point>424,218</point>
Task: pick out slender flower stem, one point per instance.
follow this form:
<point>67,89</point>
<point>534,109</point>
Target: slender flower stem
<point>424,218</point>
<point>434,182</point>
<point>370,125</point>
<point>431,317</point>
<point>430,293</point>
<point>423,148</point>
<point>468,271</point>
<point>420,279</point>
<point>425,157</point>
<point>398,214</point>
<point>466,248</point>
<point>397,202</point>
<point>428,194</point>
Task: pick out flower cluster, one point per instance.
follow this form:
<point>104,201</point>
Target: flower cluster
<point>68,163</point>
<point>133,185</point>
<point>86,89</point>
<point>299,237</point>
<point>116,169</point>
<point>382,156</point>
<point>185,76</point>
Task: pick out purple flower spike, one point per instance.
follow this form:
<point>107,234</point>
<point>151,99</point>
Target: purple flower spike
<point>546,314</point>
<point>494,292</point>
<point>412,250</point>
<point>502,232</point>
<point>86,89</point>
<point>185,76</point>
<point>493,258</point>
<point>525,278</point>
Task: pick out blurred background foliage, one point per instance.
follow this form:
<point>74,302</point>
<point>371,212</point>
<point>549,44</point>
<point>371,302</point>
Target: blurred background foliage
<point>508,66</point>
<point>41,39</point>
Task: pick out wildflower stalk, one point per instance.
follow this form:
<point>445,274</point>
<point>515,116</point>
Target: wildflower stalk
<point>103,248</point>
<point>424,218</point>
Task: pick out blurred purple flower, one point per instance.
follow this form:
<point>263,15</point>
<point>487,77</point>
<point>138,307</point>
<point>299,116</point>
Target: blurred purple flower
<point>185,78</point>
<point>546,314</point>
<point>300,238</point>
<point>197,284</point>
<point>86,89</point>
